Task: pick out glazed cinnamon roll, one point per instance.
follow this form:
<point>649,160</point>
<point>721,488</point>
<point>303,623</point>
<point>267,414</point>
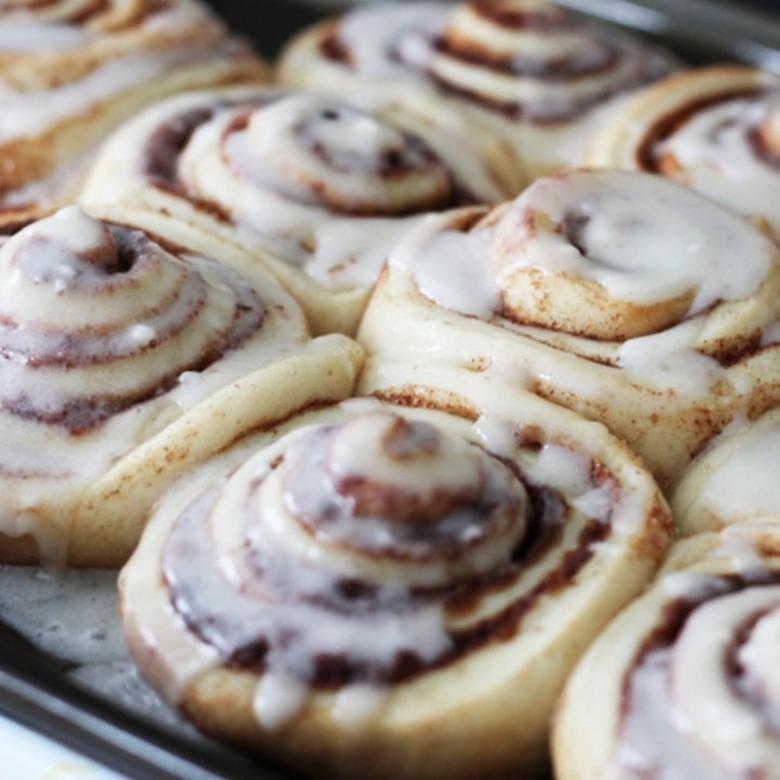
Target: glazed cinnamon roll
<point>716,130</point>
<point>121,364</point>
<point>527,70</point>
<point>684,684</point>
<point>73,70</point>
<point>735,480</point>
<point>392,588</point>
<point>625,297</point>
<point>310,187</point>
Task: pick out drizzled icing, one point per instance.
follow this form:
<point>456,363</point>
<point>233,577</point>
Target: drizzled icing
<point>627,267</point>
<point>529,60</point>
<point>337,556</point>
<point>311,180</point>
<point>703,699</point>
<point>97,325</point>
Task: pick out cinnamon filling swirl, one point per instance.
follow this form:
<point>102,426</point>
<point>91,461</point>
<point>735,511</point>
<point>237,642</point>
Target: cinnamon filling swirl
<point>700,698</point>
<point>528,61</point>
<point>315,152</point>
<point>367,550</point>
<point>651,155</point>
<point>83,301</point>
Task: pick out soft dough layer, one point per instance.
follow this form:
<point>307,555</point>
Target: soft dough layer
<point>620,295</point>
<point>73,70</point>
<point>393,588</point>
<point>120,365</point>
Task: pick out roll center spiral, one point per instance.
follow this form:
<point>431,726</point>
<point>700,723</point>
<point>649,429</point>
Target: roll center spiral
<point>387,486</point>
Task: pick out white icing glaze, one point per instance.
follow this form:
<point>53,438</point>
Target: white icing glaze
<point>561,468</point>
<point>25,37</point>
<point>453,274</point>
<point>393,43</point>
<point>371,33</point>
<point>357,703</point>
<point>497,435</point>
<point>650,716</point>
<point>689,715</point>
<point>704,702</point>
<point>647,240</point>
<point>716,154</point>
<point>669,360</point>
<point>261,550</point>
<point>641,239</point>
<point>279,699</point>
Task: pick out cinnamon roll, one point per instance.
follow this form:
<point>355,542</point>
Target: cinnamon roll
<point>627,298</point>
<point>395,587</point>
<point>311,188</point>
<point>527,70</point>
<point>73,70</point>
<point>684,683</point>
<point>716,130</point>
<point>121,364</point>
<point>735,480</point>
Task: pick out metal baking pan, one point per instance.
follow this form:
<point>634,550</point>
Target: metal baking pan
<point>99,708</point>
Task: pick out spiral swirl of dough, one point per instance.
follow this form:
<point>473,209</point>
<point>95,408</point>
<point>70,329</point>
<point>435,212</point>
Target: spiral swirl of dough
<point>86,306</point>
<point>332,571</point>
